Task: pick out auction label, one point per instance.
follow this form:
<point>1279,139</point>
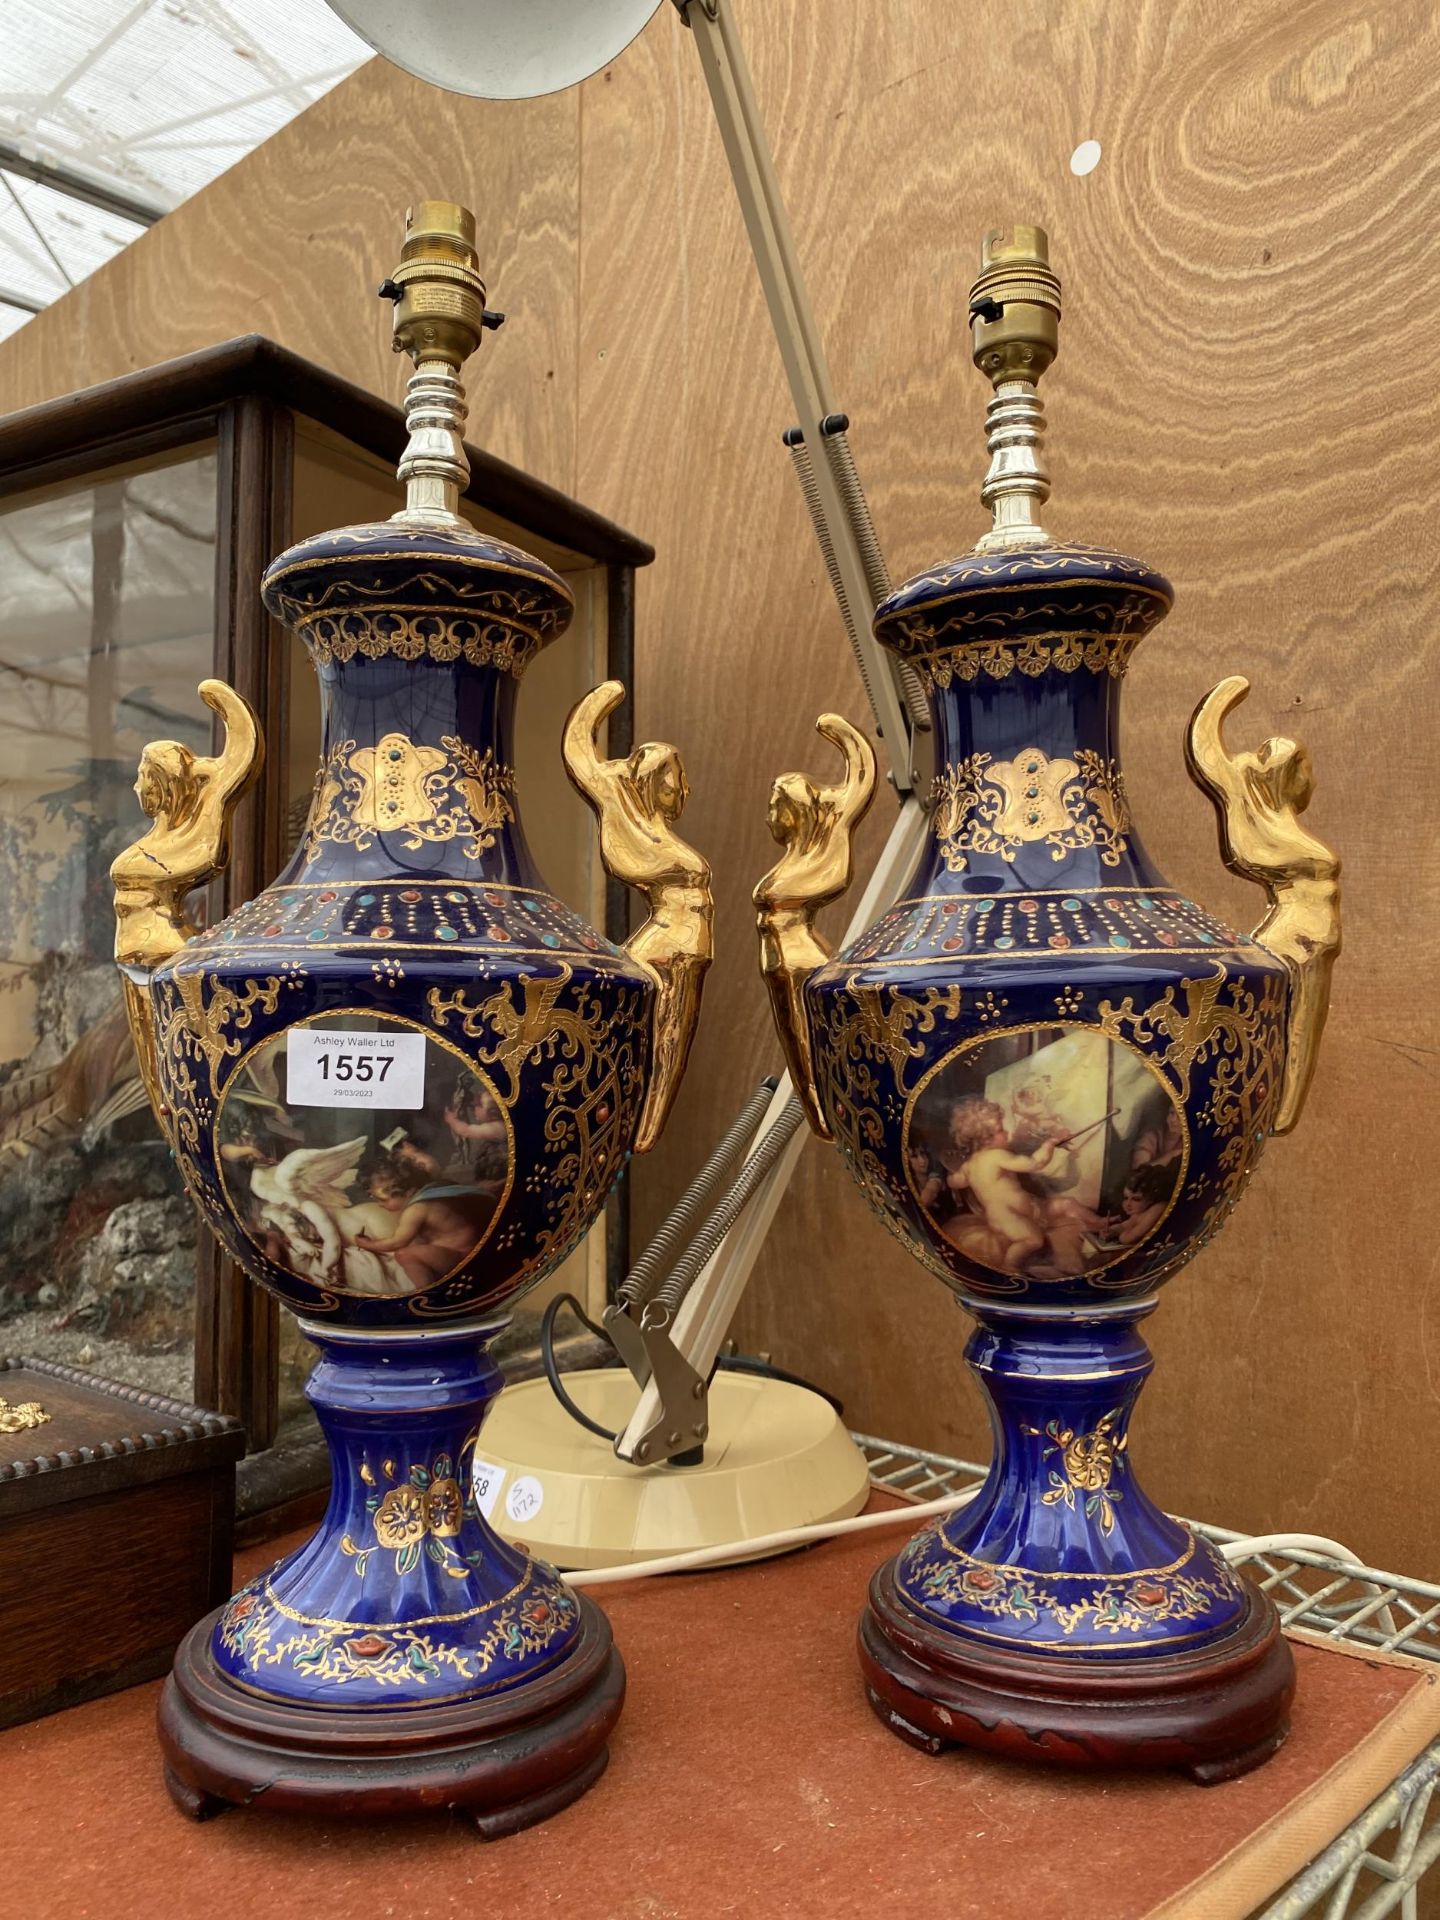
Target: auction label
<point>525,1499</point>
<point>328,1067</point>
<point>487,1480</point>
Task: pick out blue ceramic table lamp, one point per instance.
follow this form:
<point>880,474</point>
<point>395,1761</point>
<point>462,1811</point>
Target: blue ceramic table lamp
<point>1053,1075</point>
<point>400,1085</point>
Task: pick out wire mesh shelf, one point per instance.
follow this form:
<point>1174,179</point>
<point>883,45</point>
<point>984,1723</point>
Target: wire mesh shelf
<point>1375,1866</point>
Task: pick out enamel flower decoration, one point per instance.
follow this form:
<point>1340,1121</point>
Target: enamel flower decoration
<point>400,1517</point>
<point>444,1508</point>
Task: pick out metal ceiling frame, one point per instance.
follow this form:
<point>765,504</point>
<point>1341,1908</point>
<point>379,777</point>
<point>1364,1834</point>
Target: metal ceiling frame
<point>22,302</point>
<point>42,160</point>
<point>76,185</point>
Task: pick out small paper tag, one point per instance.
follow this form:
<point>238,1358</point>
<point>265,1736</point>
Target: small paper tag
<point>329,1067</point>
<point>488,1480</point>
<point>525,1499</point>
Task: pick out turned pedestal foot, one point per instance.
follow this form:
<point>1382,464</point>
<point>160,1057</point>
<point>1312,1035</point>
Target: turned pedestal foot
<point>405,1659</point>
<point>1060,1615</point>
<point>1212,1712</point>
<point>502,1762</point>
<point>193,1803</point>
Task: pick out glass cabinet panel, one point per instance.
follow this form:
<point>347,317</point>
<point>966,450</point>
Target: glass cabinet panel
<point>107,622</point>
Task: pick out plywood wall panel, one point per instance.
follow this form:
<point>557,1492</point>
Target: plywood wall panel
<point>1245,396</point>
<point>294,241</point>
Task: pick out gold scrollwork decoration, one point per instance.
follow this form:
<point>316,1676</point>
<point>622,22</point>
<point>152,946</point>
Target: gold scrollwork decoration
<point>518,1030</point>
<point>637,801</point>
<point>425,794</point>
<point>1259,798</point>
<point>1064,652</point>
<point>1075,558</point>
<point>408,633</point>
<point>857,1029</point>
<point>462,611</point>
<point>1237,1032</point>
<point>814,824</point>
<point>983,805</point>
<point>197,1025</point>
<point>21,1416</point>
<point>593,1087</point>
<point>884,1023</point>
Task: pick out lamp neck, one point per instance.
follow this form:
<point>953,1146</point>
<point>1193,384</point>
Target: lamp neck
<point>1017,483</point>
<point>434,466</point>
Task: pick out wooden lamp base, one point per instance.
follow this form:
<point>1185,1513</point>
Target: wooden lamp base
<point>504,1761</point>
<point>1213,1711</point>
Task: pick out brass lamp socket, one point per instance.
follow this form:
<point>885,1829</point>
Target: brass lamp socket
<point>438,293</point>
<point>1015,306</point>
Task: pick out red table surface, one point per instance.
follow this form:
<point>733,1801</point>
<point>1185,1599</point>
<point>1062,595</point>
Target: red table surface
<point>747,1777</point>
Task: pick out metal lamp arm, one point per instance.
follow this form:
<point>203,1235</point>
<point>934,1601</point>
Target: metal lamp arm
<point>838,503</point>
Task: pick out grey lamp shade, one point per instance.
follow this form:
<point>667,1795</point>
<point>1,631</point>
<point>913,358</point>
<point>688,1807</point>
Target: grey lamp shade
<point>498,49</point>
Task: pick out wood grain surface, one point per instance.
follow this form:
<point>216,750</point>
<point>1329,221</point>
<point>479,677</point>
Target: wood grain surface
<point>1245,396</point>
<point>294,241</point>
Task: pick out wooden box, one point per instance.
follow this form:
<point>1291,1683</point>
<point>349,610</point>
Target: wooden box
<point>116,1530</point>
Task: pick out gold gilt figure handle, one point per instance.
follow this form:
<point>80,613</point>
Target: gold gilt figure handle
<point>190,799</point>
<point>814,824</point>
<point>637,801</point>
<point>1259,798</point>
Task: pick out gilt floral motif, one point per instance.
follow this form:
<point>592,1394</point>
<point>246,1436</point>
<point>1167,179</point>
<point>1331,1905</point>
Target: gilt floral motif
<point>1087,1465</point>
<point>424,1511</point>
<point>426,795</point>
<point>983,805</point>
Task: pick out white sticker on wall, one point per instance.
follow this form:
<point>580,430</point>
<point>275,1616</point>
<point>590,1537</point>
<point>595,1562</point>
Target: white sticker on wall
<point>488,1479</point>
<point>525,1499</point>
<point>328,1067</point>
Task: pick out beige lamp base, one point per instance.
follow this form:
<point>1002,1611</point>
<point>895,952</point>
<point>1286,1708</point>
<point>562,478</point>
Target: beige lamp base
<point>778,1456</point>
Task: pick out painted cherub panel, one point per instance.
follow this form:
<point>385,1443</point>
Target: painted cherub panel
<point>1046,1153</point>
<point>365,1200</point>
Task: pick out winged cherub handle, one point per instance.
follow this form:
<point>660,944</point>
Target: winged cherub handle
<point>814,825</point>
<point>190,799</point>
<point>1259,798</point>
<point>637,801</point>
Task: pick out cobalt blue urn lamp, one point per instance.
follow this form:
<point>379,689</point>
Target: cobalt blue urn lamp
<point>1053,1075</point>
<point>400,1085</point>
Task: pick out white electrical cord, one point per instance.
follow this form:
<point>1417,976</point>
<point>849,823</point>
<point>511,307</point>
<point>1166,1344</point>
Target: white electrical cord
<point>766,1543</point>
<point>1258,1543</point>
<point>1282,1543</point>
<point>734,1551</point>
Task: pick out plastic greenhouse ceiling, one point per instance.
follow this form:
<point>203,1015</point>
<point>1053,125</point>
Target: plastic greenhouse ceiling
<point>114,111</point>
